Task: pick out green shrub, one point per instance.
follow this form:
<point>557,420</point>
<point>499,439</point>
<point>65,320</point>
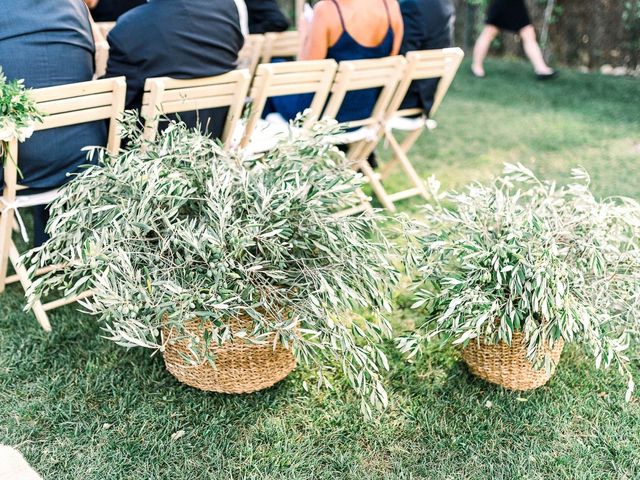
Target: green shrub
<point>528,255</point>
<point>183,229</point>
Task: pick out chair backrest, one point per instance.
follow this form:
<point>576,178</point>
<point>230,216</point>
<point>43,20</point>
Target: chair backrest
<point>105,27</point>
<point>84,102</point>
<point>249,56</point>
<point>290,78</point>
<point>280,44</point>
<point>75,104</point>
<point>422,65</point>
<point>101,58</point>
<point>383,73</point>
<point>165,96</point>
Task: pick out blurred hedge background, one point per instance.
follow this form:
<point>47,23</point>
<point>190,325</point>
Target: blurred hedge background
<point>581,33</point>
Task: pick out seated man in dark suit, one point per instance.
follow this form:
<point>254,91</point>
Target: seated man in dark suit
<point>51,47</point>
<point>428,25</point>
<point>179,39</point>
<point>265,16</point>
<point>110,10</point>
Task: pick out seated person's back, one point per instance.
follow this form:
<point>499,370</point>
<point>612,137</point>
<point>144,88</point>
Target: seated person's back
<point>265,16</point>
<point>175,38</point>
<point>347,30</point>
<point>428,26</point>
<point>52,47</point>
<point>110,10</point>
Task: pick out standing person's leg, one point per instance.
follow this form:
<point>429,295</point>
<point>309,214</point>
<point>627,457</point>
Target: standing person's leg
<point>533,51</point>
<point>481,49</point>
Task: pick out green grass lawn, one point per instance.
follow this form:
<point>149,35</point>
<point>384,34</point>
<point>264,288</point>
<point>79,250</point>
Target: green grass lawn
<point>79,407</point>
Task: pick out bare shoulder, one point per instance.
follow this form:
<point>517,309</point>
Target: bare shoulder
<point>325,13</point>
<point>326,9</point>
<point>394,9</point>
<point>395,12</point>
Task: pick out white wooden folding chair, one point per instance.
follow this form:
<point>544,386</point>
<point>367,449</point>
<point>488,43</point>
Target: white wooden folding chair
<point>165,96</point>
<point>313,77</point>
<point>105,27</point>
<point>249,56</point>
<point>363,134</point>
<point>101,58</point>
<point>280,45</point>
<point>421,65</point>
<point>63,106</point>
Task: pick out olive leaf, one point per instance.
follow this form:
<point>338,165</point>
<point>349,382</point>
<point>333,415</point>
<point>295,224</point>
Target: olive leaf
<point>524,254</point>
<point>180,229</point>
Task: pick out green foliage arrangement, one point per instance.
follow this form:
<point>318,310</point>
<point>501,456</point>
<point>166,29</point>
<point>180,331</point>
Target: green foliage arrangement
<point>18,112</point>
<point>527,255</point>
<point>183,229</point>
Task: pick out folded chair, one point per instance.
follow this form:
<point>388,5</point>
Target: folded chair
<point>64,106</point>
<point>280,45</point>
<point>165,96</point>
<point>363,135</point>
<point>421,65</point>
<point>249,56</point>
<point>278,79</point>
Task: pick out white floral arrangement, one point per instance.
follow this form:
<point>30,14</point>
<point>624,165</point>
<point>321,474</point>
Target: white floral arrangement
<point>18,112</point>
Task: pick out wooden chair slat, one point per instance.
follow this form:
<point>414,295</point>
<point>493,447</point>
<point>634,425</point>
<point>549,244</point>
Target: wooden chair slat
<point>65,105</point>
<point>42,95</point>
<point>171,95</point>
<point>75,117</point>
<point>196,104</point>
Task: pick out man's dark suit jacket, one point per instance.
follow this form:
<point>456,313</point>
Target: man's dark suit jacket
<point>266,16</point>
<point>175,38</point>
<point>47,43</point>
<point>427,26</point>
<point>110,10</point>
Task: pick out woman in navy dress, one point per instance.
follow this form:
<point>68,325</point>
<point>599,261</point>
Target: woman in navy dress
<point>346,30</point>
<point>512,16</point>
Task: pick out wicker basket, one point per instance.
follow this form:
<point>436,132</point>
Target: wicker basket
<point>240,366</point>
<point>507,365</point>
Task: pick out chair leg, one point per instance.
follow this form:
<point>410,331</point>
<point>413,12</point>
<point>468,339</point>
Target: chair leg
<point>377,186</point>
<point>6,225</point>
<point>358,153</point>
<point>38,309</point>
<point>400,154</point>
<point>411,139</point>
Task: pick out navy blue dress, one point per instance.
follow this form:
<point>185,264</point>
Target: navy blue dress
<point>358,104</point>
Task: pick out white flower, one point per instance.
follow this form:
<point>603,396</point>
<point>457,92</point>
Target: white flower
<point>25,132</point>
<point>7,131</point>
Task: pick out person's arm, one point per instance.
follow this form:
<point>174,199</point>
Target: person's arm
<point>265,16</point>
<point>91,3</point>
<point>315,41</point>
<point>398,26</point>
<point>413,38</point>
<point>123,61</point>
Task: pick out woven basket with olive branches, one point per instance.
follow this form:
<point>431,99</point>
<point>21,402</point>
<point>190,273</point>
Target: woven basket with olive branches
<point>507,365</point>
<point>240,366</point>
